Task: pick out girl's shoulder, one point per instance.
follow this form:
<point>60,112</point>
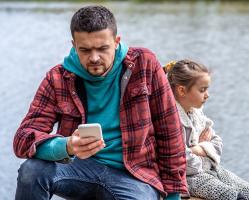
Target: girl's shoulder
<point>197,111</point>
<point>195,117</point>
<point>198,115</point>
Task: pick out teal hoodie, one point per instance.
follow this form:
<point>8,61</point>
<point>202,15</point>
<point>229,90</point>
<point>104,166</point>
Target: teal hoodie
<point>103,101</point>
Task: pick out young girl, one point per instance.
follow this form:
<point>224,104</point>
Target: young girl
<point>206,178</point>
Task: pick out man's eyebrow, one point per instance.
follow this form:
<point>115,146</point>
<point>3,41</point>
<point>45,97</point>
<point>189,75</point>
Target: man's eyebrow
<point>103,46</point>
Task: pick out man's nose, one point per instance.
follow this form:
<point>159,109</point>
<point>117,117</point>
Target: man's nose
<point>94,57</point>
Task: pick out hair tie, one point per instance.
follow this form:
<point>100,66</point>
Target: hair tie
<point>169,66</point>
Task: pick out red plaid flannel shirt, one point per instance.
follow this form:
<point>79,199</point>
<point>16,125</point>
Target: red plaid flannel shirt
<point>153,146</point>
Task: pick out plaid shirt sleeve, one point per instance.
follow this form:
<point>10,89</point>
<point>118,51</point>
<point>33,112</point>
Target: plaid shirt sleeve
<point>38,122</point>
<point>171,148</point>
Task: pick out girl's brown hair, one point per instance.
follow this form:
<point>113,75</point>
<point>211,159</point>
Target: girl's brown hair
<point>184,72</point>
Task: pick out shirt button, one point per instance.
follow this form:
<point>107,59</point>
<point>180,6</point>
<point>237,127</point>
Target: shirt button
<point>73,92</point>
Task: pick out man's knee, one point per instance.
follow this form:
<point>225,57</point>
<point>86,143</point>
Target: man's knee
<point>31,170</point>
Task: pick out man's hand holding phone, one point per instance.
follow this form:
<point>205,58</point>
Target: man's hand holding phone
<point>85,141</point>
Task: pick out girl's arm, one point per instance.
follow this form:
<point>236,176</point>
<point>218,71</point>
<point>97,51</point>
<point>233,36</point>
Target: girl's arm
<point>210,142</point>
<point>198,150</point>
<point>213,148</point>
<point>194,162</point>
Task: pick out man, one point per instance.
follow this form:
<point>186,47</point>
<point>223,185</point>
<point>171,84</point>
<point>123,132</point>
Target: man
<point>142,153</point>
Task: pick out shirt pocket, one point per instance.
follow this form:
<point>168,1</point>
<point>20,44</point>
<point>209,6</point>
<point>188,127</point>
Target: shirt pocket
<point>139,102</point>
<point>68,118</point>
<point>141,89</point>
<point>67,108</point>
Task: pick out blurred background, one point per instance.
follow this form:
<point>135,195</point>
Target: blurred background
<point>35,36</point>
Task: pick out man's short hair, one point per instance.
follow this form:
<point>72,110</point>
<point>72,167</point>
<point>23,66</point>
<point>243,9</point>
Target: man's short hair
<point>93,18</point>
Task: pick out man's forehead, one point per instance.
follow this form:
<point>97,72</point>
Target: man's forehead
<point>101,33</point>
<point>96,39</point>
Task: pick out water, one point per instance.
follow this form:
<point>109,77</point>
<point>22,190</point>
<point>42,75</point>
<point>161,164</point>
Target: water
<point>35,37</point>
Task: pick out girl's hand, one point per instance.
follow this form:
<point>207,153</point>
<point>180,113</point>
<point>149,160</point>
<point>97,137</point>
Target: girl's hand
<point>198,150</point>
<point>206,135</point>
<point>83,147</point>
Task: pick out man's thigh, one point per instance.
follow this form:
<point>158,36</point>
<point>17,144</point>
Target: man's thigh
<point>125,186</point>
<point>85,179</point>
<point>114,183</point>
<point>40,179</point>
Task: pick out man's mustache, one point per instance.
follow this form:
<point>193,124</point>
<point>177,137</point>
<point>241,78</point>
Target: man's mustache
<point>95,63</point>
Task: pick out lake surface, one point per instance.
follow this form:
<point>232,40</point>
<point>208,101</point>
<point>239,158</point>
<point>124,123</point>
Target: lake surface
<point>36,36</point>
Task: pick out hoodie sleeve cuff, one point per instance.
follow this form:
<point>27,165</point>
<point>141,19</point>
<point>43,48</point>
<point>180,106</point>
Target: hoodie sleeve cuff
<point>54,149</point>
<point>173,196</point>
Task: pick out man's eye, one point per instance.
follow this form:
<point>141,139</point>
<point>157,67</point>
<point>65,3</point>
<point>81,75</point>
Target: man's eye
<point>84,50</point>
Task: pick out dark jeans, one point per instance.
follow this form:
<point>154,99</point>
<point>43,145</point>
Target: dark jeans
<point>80,179</point>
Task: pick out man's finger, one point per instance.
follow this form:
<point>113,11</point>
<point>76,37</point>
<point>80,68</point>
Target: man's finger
<point>90,146</point>
<point>89,153</point>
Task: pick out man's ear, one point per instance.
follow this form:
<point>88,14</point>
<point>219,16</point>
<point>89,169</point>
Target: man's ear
<point>181,90</point>
<point>73,43</point>
<point>117,40</point>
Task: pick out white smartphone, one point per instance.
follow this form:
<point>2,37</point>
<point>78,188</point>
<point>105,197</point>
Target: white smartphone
<point>90,130</point>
